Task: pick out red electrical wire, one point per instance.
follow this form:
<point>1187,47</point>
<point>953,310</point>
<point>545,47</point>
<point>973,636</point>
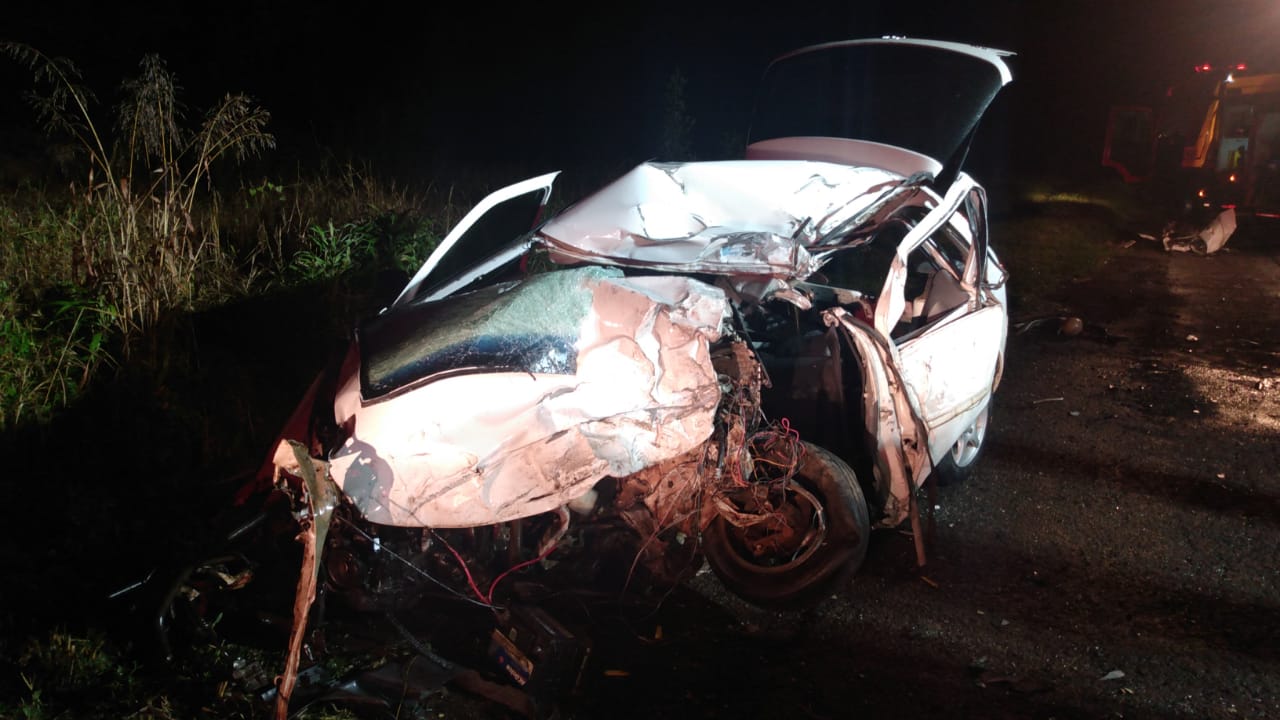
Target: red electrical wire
<point>512,569</point>
<point>466,570</point>
<point>788,430</point>
<point>488,599</point>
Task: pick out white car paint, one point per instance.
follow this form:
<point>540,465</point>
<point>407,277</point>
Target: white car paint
<point>541,184</point>
<point>488,447</point>
<point>485,448</point>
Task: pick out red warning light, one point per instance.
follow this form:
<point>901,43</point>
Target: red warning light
<point>1206,67</point>
<point>1241,67</point>
<point>1231,177</point>
<point>1200,192</point>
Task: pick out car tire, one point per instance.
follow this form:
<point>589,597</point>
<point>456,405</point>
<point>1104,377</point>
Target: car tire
<point>805,576</point>
<point>960,460</point>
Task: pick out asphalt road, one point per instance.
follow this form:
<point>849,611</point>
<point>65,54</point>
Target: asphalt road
<point>1116,554</point>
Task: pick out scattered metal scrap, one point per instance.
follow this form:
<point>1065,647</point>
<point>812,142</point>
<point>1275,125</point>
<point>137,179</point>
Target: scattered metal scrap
<point>1178,236</point>
<point>321,497</point>
<point>1066,326</point>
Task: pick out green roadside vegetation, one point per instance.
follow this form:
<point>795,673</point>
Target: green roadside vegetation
<point>160,219</point>
<point>125,277</point>
<point>1056,232</point>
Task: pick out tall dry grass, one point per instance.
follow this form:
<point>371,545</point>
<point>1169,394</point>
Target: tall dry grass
<point>147,233</point>
<point>146,182</point>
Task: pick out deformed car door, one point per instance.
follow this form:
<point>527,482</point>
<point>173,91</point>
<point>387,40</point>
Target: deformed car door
<point>949,363</point>
<point>495,232</point>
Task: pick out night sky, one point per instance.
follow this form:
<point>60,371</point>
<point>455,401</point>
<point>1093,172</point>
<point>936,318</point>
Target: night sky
<point>426,89</point>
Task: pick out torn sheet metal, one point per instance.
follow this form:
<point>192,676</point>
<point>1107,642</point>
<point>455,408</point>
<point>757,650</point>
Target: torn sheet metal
<point>893,302</point>
<point>475,449</point>
<point>902,461</point>
<point>737,217</point>
<point>321,498</point>
<point>715,250</point>
<point>1209,240</point>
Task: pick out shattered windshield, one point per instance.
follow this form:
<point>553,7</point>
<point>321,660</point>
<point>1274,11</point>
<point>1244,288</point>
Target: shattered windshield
<point>528,326</point>
<point>917,97</point>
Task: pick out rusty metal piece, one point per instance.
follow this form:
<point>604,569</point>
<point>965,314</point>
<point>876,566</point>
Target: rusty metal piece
<point>673,489</point>
<point>788,526</point>
<point>917,532</point>
<point>734,516</point>
<point>321,498</point>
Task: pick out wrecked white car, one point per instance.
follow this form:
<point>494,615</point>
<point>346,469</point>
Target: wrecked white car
<point>751,361</point>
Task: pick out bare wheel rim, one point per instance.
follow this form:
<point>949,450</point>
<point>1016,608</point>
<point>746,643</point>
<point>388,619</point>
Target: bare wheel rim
<point>806,543</point>
<point>965,451</point>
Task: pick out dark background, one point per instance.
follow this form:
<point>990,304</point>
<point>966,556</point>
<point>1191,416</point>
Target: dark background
<point>448,91</point>
<point>431,90</point>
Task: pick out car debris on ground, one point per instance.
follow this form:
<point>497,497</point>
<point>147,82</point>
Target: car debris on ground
<point>1180,237</point>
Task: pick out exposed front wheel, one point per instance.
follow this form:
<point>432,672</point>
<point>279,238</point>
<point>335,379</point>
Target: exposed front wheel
<point>792,541</point>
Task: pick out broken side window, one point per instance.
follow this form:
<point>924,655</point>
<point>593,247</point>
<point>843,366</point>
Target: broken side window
<point>934,281</point>
<point>863,267</point>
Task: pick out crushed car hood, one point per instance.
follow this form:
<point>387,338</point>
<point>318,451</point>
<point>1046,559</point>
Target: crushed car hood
<point>528,396</point>
<point>731,218</point>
